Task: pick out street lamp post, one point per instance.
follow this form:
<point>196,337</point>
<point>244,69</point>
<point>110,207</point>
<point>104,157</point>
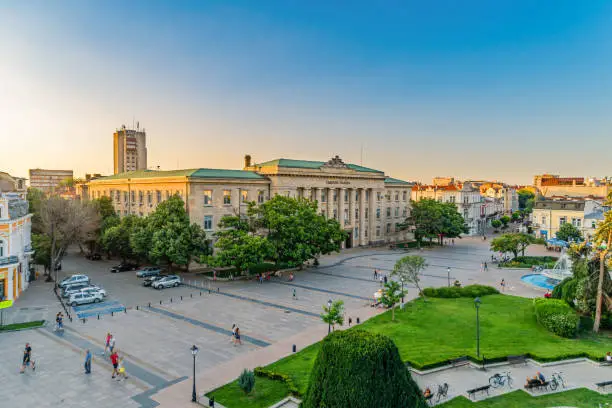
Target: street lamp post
<point>194,351</point>
<point>448,275</point>
<point>329,305</point>
<point>477,305</point>
<point>402,280</point>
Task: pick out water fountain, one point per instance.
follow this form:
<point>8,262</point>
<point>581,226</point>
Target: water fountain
<point>549,278</point>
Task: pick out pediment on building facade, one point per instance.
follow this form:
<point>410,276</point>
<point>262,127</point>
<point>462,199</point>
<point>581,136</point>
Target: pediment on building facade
<point>335,163</point>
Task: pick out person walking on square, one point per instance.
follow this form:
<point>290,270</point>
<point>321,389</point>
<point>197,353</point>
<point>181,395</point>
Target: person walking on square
<point>294,294</point>
<point>238,341</point>
<point>27,359</point>
<point>87,363</point>
<point>502,284</point>
<point>114,357</point>
<point>381,280</point>
<point>111,343</point>
<point>233,338</point>
<point>121,370</point>
<point>486,267</point>
<point>385,279</point>
<point>375,274</point>
<point>350,321</point>
<point>107,343</point>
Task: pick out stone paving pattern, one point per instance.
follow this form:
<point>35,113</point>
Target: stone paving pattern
<point>157,341</point>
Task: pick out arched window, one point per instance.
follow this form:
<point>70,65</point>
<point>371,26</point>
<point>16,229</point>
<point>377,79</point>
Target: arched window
<point>1,248</point>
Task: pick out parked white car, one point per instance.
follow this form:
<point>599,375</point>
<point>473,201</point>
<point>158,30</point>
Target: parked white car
<point>84,298</point>
<point>167,282</point>
<point>71,280</point>
<point>94,289</point>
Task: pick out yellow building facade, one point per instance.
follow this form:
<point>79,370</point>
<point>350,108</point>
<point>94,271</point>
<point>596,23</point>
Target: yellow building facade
<point>15,245</point>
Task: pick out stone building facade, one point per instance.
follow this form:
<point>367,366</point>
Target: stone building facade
<point>369,205</point>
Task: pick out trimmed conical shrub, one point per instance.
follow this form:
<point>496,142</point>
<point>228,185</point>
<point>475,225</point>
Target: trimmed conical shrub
<point>358,369</point>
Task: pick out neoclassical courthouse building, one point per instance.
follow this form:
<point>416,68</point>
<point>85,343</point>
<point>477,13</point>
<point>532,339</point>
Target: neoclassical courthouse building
<point>367,203</point>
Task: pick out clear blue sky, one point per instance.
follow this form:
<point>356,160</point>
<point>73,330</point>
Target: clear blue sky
<point>472,89</point>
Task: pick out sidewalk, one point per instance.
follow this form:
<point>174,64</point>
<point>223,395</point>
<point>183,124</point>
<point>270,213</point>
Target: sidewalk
<point>179,395</point>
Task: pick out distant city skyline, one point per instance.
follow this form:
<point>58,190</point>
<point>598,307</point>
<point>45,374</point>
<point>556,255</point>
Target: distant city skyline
<point>478,90</point>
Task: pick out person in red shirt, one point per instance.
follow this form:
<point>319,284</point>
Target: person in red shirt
<point>547,295</point>
<point>115,360</point>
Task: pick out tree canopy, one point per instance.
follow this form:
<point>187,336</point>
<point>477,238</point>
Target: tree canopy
<point>295,230</point>
<point>526,200</point>
<point>409,269</point>
<point>512,243</point>
<point>333,315</point>
<point>359,369</point>
<point>432,219</point>
<point>569,233</point>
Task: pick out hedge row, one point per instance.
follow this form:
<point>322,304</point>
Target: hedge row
<point>470,291</point>
<point>557,316</point>
<point>547,262</point>
<point>272,375</point>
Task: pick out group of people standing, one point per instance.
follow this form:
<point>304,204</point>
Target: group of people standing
<point>382,278</point>
<point>116,361</point>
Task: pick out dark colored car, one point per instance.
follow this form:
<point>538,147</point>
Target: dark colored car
<point>125,266</point>
<point>94,257</point>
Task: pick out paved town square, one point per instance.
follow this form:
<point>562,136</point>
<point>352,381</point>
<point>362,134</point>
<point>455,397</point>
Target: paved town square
<point>155,340</point>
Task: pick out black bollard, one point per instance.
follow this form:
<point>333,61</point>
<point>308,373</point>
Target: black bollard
<point>181,297</point>
<point>125,310</point>
<point>294,348</point>
<point>170,300</point>
<point>357,320</point>
<point>191,295</point>
<point>149,304</point>
<point>112,313</point>
<point>83,320</point>
<point>136,307</point>
<point>98,316</point>
<point>200,293</point>
<point>211,402</point>
<point>218,290</point>
<point>160,302</point>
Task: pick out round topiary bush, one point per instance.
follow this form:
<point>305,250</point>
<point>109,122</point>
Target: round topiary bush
<point>358,369</point>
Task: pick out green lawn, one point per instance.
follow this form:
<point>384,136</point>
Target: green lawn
<point>580,398</point>
<point>440,329</point>
<point>17,326</point>
<point>265,394</point>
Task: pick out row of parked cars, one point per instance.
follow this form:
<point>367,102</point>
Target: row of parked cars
<point>154,276</point>
<point>78,290</point>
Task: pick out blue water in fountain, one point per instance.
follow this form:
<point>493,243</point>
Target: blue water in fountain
<point>541,281</point>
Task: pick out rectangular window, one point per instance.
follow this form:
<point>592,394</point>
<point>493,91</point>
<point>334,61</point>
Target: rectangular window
<point>378,231</point>
<point>388,211</point>
<point>365,232</point>
<point>346,216</point>
<point>208,198</point>
<point>378,195</point>
<point>562,220</point>
<point>452,199</point>
<point>227,197</point>
<point>577,222</point>
<point>367,211</point>
<point>356,234</point>
<point>397,211</point>
<point>323,196</point>
<point>404,195</point>
<point>356,195</point>
<point>208,222</point>
<point>335,195</point>
<point>140,197</point>
<point>388,228</point>
<point>159,196</point>
<point>132,197</point>
<point>367,194</point>
<point>149,198</point>
<point>244,196</point>
<point>396,196</point>
<point>260,196</point>
<point>378,213</point>
<point>544,220</point>
<point>389,196</point>
<point>346,195</point>
<point>356,213</point>
<point>466,199</point>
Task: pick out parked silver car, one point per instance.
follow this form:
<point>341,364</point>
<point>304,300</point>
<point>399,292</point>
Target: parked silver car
<point>74,279</point>
<point>84,298</point>
<point>167,282</point>
<point>70,289</point>
<point>94,289</point>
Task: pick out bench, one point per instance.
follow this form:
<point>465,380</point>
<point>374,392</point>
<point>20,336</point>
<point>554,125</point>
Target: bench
<point>472,392</point>
<point>603,384</point>
<point>458,362</point>
<point>537,385</point>
<point>517,360</point>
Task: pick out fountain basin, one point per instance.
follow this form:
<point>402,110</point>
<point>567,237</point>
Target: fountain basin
<point>540,281</point>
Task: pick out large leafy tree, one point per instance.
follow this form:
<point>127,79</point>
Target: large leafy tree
<point>295,230</point>
<point>431,219</point>
<point>526,199</point>
<point>409,269</point>
<point>41,244</point>
<point>66,222</point>
<point>238,246</point>
<point>35,198</point>
<point>512,243</point>
<point>166,236</point>
<point>116,239</point>
<point>603,241</point>
<point>108,219</point>
<point>568,232</point>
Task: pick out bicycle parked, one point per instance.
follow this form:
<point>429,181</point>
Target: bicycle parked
<point>556,381</point>
<point>442,392</point>
<point>499,380</point>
